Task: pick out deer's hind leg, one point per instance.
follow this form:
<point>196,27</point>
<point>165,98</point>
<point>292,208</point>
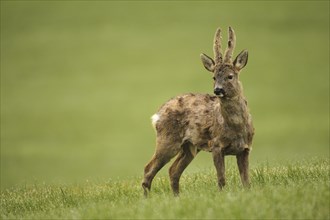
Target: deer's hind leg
<point>182,161</point>
<point>165,151</point>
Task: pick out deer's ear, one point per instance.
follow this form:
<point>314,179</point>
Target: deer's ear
<point>241,60</point>
<point>208,62</point>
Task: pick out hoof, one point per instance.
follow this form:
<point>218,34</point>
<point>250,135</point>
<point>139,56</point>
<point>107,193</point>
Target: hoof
<point>146,189</point>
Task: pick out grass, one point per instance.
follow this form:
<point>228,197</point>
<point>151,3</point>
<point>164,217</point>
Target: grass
<point>78,90</point>
<point>80,80</point>
<point>296,190</point>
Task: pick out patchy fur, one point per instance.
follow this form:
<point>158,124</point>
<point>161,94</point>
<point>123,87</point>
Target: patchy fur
<point>200,118</point>
<point>219,124</point>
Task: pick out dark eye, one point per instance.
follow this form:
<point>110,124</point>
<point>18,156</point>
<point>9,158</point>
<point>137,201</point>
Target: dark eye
<point>230,76</point>
<point>214,78</point>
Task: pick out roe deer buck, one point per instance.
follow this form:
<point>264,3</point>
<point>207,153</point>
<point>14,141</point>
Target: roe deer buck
<point>220,124</point>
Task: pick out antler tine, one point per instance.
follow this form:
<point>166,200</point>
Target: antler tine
<point>217,47</point>
<point>231,46</point>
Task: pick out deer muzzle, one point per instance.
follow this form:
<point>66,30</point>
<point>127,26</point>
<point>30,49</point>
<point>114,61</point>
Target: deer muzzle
<point>219,91</point>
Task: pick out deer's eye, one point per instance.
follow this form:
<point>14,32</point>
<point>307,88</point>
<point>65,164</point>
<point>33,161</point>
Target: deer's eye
<point>230,76</point>
<point>214,78</point>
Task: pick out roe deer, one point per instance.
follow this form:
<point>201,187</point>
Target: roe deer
<point>220,124</point>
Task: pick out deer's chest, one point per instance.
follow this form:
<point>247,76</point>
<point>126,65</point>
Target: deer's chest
<point>235,139</point>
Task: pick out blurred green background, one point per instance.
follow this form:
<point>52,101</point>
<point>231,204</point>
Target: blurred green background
<point>80,80</point>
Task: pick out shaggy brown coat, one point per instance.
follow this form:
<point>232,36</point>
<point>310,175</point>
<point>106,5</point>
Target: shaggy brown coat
<point>219,124</point>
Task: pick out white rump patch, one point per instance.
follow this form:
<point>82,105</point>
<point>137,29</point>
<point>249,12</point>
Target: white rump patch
<point>154,120</point>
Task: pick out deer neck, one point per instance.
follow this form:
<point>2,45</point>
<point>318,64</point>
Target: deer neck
<point>234,111</point>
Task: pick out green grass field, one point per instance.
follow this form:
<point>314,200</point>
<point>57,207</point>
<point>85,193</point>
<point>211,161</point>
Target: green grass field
<point>80,80</point>
<point>290,191</point>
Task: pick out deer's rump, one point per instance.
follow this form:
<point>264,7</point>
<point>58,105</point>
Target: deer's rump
<point>187,118</point>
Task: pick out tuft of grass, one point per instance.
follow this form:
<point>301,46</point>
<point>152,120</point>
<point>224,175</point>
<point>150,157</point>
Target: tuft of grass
<point>295,190</point>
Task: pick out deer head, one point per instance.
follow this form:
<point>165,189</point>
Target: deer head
<point>225,71</point>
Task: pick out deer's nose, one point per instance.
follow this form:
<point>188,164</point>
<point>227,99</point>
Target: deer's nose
<point>219,91</point>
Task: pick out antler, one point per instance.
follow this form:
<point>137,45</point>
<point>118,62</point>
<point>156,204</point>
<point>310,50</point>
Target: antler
<point>231,46</point>
<point>217,47</point>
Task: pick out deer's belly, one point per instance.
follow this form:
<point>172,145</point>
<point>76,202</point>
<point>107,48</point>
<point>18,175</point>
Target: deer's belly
<point>200,138</point>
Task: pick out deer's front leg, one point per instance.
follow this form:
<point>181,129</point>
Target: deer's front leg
<point>243,167</point>
<point>219,163</point>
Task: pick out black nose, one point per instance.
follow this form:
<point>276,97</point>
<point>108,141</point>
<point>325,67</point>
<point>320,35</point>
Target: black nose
<point>218,91</point>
